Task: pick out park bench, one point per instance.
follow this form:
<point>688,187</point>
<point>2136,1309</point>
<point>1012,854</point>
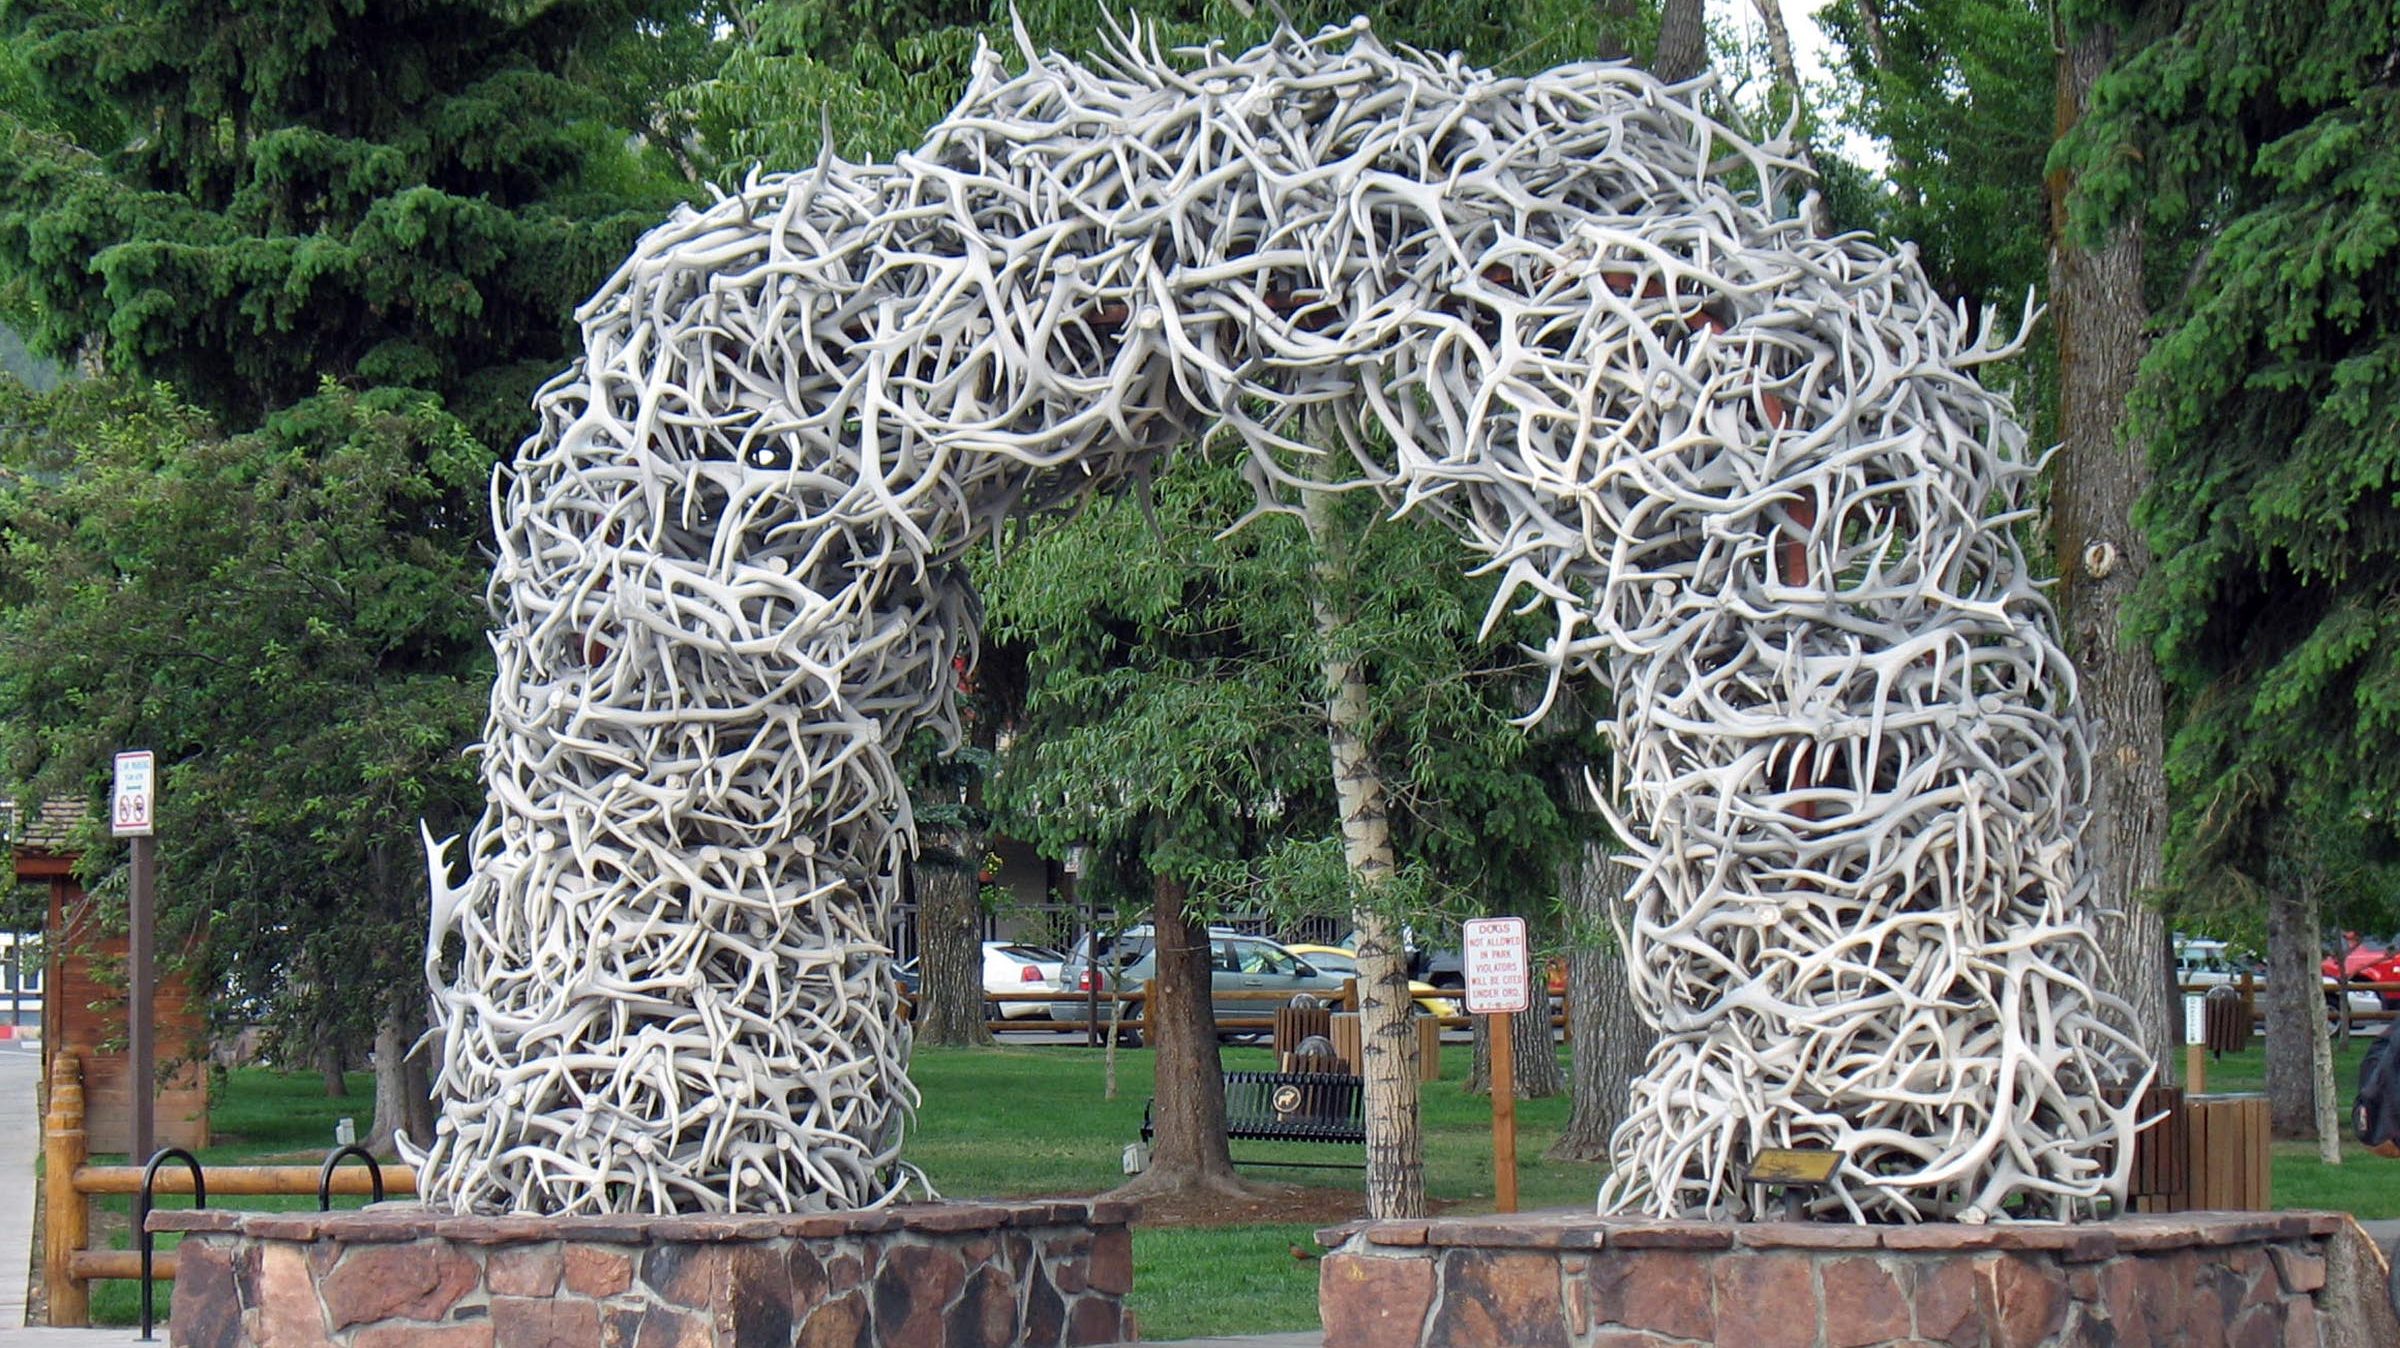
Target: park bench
<point>1291,1107</point>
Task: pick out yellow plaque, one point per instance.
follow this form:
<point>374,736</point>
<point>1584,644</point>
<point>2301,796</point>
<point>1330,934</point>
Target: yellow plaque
<point>1790,1165</point>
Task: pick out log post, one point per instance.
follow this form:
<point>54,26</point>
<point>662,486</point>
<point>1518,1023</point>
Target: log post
<point>66,1214</point>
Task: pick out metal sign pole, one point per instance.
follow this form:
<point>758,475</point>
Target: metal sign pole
<point>138,1010</point>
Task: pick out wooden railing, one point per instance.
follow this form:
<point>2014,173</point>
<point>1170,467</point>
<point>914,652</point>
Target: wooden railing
<point>1136,998</point>
<point>70,1181</point>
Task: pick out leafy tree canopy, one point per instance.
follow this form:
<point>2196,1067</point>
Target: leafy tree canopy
<point>287,620</point>
<point>245,199</point>
<point>1178,692</point>
<point>2270,403</point>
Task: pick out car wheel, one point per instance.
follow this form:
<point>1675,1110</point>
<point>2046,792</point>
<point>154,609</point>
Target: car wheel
<point>991,1011</point>
<point>1129,1039</point>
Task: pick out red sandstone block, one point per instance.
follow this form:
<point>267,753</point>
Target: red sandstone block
<point>1097,1320</point>
<point>1398,1235</point>
<point>685,1275</point>
<point>523,1270</point>
<point>1864,1303</point>
<point>478,1334</point>
<point>544,1322</point>
<point>2022,1298</point>
<point>473,1230</point>
<point>654,1326</point>
<point>838,1323</point>
<point>1665,1291</point>
<point>290,1316</point>
<point>1331,1237</point>
<point>2300,1270</point>
<point>1667,1235</point>
<point>1111,1268</point>
<point>943,1218</point>
<point>1807,1236</point>
<point>1367,1301</point>
<point>913,1289</point>
<point>1942,1295</point>
<point>2300,1328</point>
<point>1765,1300</point>
<point>597,1270</point>
<point>1499,1296</point>
<point>421,1280</point>
<point>1113,1212</point>
<point>194,1219</point>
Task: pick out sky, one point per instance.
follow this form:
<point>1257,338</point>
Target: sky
<point>1809,51</point>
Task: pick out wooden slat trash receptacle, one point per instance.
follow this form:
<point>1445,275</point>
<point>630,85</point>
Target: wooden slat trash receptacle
<point>1296,1023</point>
<point>1429,1044</point>
<point>2224,1021</point>
<point>2229,1158</point>
<point>2159,1179</point>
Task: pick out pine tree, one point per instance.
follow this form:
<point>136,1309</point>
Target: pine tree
<point>244,200</point>
<point>2261,140</point>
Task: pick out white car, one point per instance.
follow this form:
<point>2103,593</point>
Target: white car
<point>1012,966</point>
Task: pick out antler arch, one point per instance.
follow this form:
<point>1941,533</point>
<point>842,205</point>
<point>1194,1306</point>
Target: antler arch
<point>1748,469</point>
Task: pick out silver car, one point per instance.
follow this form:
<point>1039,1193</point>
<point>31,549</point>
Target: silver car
<point>1248,976</point>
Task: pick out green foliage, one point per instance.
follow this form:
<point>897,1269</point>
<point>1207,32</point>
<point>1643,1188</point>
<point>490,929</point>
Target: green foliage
<point>1176,719</point>
<point>244,200</point>
<point>877,75</point>
<point>290,619</point>
<point>2271,403</point>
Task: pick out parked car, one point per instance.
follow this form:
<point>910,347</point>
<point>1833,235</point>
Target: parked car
<point>2367,962</point>
<point>1014,967</point>
<point>1332,959</point>
<point>1237,964</point>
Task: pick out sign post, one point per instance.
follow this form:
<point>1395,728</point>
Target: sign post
<point>133,813</point>
<point>2195,1039</point>
<point>1500,985</point>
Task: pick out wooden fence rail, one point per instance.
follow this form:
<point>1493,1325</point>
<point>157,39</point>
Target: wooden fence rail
<point>70,1181</point>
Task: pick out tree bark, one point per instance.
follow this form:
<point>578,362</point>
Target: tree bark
<point>1682,42</point>
<point>1787,74</point>
<point>403,1089</point>
<point>2102,556</point>
<point>1607,1041</point>
<point>2295,1010</point>
<point>950,1010</point>
<point>1537,1072</point>
<point>332,1064</point>
<point>1188,1150</point>
<point>1614,19</point>
<point>1387,1039</point>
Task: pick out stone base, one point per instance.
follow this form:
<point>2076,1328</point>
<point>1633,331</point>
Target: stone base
<point>2192,1280</point>
<point>933,1275</point>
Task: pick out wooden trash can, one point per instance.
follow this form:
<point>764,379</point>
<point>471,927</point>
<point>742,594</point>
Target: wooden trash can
<point>2160,1178</point>
<point>1295,1023</point>
<point>1429,1044</point>
<point>2230,1164</point>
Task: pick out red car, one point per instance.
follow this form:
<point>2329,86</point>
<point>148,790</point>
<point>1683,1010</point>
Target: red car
<point>2363,963</point>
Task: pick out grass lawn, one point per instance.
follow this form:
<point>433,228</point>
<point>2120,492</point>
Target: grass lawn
<point>1031,1121</point>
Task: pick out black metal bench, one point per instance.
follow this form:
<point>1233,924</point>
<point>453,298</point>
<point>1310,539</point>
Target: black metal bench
<point>1291,1107</point>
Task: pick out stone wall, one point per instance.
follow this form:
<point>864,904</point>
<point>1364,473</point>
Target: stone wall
<point>935,1275</point>
<point>2191,1280</point>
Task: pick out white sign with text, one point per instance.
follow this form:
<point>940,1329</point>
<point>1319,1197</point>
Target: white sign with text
<point>1499,966</point>
<point>134,810</point>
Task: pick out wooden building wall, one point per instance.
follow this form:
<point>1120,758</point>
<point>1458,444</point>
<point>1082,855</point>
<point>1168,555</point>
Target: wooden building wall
<point>80,1012</point>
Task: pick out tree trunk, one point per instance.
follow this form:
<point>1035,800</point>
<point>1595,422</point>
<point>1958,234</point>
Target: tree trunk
<point>332,1064</point>
<point>950,1009</point>
<point>1682,42</point>
<point>403,1090</point>
<point>1387,1039</point>
<point>1188,1149</point>
<point>2295,1010</point>
<point>2102,557</point>
<point>2328,1096</point>
<point>1787,76</point>
<point>1615,20</point>
<point>1607,1041</point>
<point>1538,1074</point>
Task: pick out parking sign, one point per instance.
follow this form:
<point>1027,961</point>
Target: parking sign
<point>134,810</point>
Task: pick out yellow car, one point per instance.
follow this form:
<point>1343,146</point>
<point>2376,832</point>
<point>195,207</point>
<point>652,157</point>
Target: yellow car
<point>1335,960</point>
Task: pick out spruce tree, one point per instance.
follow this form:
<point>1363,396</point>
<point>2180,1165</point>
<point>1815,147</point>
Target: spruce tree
<point>244,200</point>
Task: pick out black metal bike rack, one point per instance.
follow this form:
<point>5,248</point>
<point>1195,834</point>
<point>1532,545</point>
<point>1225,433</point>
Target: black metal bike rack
<point>333,1160</point>
<point>141,1216</point>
